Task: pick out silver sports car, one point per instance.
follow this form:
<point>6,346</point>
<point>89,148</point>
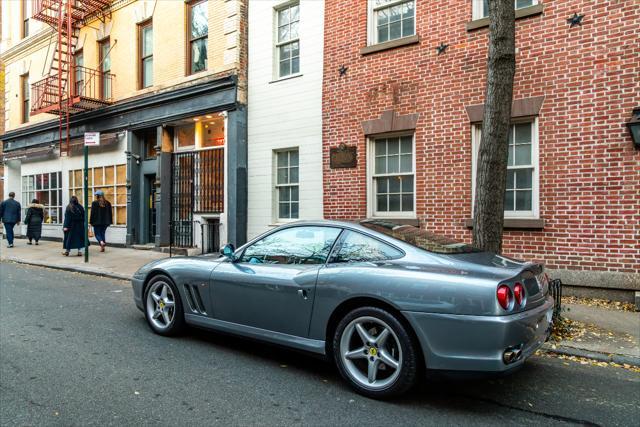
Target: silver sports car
<point>385,301</point>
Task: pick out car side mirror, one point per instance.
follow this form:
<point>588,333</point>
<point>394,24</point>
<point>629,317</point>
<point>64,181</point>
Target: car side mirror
<point>229,252</point>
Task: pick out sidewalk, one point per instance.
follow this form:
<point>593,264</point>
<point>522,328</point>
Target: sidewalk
<point>118,263</point>
<point>604,334</point>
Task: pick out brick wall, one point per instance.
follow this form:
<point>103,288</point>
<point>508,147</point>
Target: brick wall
<point>589,74</point>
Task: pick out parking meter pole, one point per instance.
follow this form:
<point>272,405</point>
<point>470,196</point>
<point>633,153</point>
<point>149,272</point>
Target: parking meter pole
<point>86,203</point>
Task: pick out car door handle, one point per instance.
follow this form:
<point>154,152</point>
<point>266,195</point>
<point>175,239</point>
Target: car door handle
<point>302,293</point>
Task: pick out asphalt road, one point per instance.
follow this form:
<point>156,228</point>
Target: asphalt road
<point>74,350</point>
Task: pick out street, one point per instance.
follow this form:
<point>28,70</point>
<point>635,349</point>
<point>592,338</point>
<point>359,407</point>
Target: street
<point>74,350</point>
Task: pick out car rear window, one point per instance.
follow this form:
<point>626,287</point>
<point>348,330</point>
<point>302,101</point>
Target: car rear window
<point>418,237</point>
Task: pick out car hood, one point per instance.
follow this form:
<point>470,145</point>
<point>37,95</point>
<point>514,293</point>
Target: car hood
<point>165,263</point>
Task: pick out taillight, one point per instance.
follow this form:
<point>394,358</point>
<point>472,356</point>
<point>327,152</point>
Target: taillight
<point>518,292</point>
<point>504,296</point>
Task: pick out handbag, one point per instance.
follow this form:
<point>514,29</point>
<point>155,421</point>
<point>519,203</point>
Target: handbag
<point>91,234</point>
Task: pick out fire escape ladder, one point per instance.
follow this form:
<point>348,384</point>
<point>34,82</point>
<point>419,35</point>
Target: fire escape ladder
<point>67,88</point>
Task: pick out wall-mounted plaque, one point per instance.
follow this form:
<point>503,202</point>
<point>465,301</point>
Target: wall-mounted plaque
<point>343,156</point>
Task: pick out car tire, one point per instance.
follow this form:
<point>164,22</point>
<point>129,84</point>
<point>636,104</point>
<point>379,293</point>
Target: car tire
<point>359,348</point>
<point>163,307</point>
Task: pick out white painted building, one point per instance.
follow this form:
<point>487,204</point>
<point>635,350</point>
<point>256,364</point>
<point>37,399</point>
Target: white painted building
<point>284,112</point>
<point>53,179</point>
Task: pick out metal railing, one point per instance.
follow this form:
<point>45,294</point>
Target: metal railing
<point>87,83</point>
<point>555,289</point>
<point>182,233</point>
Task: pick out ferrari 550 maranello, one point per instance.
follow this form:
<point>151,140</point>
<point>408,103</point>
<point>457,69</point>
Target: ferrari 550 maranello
<point>384,301</point>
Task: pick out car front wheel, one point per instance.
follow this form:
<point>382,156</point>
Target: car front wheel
<point>163,309</point>
<point>375,353</point>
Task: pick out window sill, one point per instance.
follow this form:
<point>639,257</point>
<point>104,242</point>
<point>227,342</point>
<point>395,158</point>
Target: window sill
<point>379,47</point>
<point>536,9</point>
<point>292,76</point>
<point>516,223</point>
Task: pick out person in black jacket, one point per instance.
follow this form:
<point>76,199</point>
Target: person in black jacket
<point>100,218</point>
<point>34,220</point>
<point>73,227</point>
<point>10,216</point>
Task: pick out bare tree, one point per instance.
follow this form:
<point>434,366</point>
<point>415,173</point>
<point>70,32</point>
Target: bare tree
<point>491,174</point>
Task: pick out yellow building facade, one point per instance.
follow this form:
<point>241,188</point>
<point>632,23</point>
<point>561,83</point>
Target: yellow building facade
<point>161,80</point>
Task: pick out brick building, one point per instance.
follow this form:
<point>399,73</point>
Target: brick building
<point>404,83</point>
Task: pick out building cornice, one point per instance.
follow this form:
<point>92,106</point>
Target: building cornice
<point>26,46</point>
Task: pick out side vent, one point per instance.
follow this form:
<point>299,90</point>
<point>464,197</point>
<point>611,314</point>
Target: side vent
<point>194,300</point>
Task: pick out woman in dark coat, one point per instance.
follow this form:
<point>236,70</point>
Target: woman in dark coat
<point>34,220</point>
<point>100,218</point>
<point>73,227</point>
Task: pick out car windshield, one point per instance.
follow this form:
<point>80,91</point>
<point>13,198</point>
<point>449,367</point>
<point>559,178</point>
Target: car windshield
<point>419,238</point>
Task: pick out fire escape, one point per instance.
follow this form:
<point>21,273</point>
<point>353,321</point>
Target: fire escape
<point>69,88</point>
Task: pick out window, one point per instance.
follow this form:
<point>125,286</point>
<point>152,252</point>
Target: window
<point>78,62</point>
<point>297,245</point>
<point>26,97</point>
<point>288,40</point>
<point>24,14</point>
<point>391,20</point>
<point>356,247</point>
<point>481,7</point>
<point>185,137</point>
<point>521,196</point>
<point>104,48</point>
<point>47,188</point>
<point>392,180</point>
<point>287,184</point>
<point>197,35</point>
<point>110,179</point>
<point>145,49</point>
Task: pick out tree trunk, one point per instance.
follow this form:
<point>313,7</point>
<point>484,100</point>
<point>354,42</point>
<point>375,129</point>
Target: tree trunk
<point>494,146</point>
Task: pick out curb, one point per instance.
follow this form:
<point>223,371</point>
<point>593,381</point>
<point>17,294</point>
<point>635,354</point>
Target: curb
<point>601,357</point>
<point>81,270</point>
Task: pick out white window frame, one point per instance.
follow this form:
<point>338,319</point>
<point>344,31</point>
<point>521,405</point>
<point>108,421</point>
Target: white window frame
<point>478,8</point>
<point>277,44</point>
<point>372,9</point>
<point>29,193</point>
<point>371,188</point>
<point>476,134</point>
<point>277,186</point>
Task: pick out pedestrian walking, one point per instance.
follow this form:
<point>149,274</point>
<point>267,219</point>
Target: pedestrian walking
<point>73,227</point>
<point>100,218</point>
<point>33,220</point>
<point>10,213</point>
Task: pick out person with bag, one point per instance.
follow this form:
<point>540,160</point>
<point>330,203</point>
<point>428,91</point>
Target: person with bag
<point>101,218</point>
<point>34,220</point>
<point>73,227</point>
<point>10,216</point>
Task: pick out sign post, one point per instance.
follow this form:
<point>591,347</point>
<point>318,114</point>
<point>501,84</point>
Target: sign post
<point>91,139</point>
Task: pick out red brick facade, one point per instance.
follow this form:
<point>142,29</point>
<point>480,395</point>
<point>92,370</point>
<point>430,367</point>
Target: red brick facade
<point>590,78</point>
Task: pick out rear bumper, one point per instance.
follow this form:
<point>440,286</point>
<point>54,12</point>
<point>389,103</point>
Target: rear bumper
<point>137,284</point>
<point>477,343</point>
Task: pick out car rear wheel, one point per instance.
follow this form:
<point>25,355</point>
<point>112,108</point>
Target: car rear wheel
<point>163,308</point>
<point>375,353</point>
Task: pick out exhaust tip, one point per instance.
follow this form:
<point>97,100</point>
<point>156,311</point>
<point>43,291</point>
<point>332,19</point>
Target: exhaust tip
<point>512,354</point>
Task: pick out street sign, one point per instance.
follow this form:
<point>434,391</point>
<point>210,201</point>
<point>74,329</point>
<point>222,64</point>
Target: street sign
<point>92,139</point>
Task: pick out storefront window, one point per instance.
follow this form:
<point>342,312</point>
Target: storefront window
<point>46,189</point>
<point>185,136</point>
<point>111,180</point>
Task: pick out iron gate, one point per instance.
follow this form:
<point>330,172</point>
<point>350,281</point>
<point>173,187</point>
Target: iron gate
<point>197,186</point>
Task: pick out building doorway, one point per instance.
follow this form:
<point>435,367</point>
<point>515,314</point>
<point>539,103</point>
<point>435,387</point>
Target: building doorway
<point>149,214</point>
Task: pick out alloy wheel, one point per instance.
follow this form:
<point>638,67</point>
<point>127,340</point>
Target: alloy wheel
<point>161,305</point>
<point>371,353</point>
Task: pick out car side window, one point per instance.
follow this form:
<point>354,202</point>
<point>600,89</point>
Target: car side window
<point>356,247</point>
<point>296,245</point>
